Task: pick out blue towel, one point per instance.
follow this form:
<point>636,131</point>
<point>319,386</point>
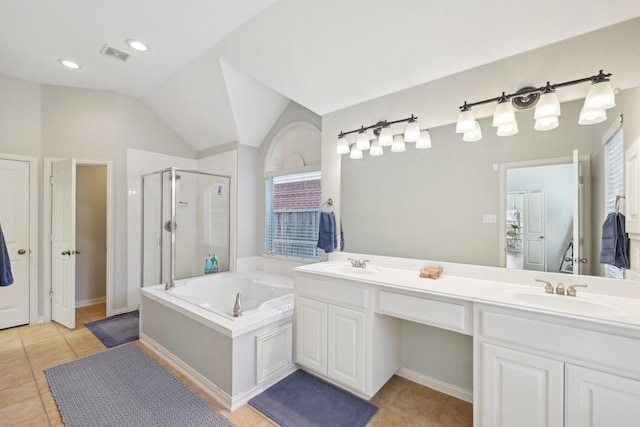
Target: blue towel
<point>327,233</point>
<point>6,278</point>
<point>615,241</point>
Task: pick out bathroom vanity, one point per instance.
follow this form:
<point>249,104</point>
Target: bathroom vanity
<point>539,359</point>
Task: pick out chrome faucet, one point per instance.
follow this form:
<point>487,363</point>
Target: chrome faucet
<point>560,289</point>
<point>237,307</point>
<point>170,284</point>
<point>356,263</point>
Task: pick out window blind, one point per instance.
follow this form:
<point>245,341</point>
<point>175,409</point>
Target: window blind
<point>614,183</point>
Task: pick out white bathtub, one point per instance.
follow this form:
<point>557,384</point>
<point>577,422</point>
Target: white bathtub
<point>232,358</point>
<point>217,293</point>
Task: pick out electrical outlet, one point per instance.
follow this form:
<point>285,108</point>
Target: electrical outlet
<point>489,219</point>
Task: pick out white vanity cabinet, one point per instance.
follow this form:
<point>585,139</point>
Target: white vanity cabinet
<point>340,338</point>
<point>534,369</point>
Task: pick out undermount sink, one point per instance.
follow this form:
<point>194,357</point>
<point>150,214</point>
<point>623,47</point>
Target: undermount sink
<point>350,271</point>
<point>581,303</point>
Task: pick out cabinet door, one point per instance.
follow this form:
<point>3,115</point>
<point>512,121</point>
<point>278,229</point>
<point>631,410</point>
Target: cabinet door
<point>346,347</point>
<point>597,399</point>
<point>520,389</point>
<point>311,334</point>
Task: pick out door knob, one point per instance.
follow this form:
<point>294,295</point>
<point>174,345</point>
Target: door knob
<point>584,260</point>
<point>21,252</point>
<point>542,237</point>
<point>76,252</point>
<point>66,252</point>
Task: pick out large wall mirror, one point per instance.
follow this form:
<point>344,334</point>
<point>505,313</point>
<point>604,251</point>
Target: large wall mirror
<point>430,204</point>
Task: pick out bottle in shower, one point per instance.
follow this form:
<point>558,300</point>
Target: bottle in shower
<point>214,264</point>
<point>208,265</point>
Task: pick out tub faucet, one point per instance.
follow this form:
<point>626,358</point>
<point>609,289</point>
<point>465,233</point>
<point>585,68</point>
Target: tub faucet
<point>170,284</point>
<point>237,307</point>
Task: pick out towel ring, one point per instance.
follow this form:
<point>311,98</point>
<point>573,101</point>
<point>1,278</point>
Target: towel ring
<point>329,203</point>
<point>618,203</point>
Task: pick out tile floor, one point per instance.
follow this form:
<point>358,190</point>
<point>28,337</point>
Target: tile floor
<point>25,398</point>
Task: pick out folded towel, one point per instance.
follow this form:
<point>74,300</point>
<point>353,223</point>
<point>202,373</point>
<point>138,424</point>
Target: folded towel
<point>327,233</point>
<point>6,278</point>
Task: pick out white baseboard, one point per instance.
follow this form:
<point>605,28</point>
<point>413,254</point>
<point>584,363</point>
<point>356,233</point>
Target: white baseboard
<point>436,384</point>
<point>115,312</point>
<point>230,403</point>
<point>90,301</point>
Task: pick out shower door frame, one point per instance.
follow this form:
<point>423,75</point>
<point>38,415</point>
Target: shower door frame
<point>172,264</point>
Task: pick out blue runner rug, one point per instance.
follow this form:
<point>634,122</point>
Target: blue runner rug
<point>304,400</point>
<point>116,330</point>
<point>125,387</point>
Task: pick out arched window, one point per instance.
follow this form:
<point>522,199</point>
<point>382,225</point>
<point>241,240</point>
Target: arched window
<point>292,192</point>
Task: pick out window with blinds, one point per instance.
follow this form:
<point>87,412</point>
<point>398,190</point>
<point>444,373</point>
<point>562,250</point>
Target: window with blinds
<point>614,183</point>
<point>293,205</point>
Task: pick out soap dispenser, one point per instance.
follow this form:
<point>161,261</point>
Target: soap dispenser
<point>208,265</point>
<point>214,263</point>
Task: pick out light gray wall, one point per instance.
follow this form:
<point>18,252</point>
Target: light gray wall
<point>53,121</point>
<point>91,232</point>
<point>248,211</point>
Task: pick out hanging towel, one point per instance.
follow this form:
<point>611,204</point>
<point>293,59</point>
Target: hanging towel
<point>6,278</point>
<point>341,237</point>
<point>615,241</point>
<point>327,233</point>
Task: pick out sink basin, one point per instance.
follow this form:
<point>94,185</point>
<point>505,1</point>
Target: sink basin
<point>351,271</point>
<point>581,304</point>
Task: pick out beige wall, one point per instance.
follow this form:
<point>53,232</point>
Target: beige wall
<point>91,232</point>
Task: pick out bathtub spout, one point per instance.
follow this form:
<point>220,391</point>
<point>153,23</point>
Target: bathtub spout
<point>237,307</point>
<point>170,284</point>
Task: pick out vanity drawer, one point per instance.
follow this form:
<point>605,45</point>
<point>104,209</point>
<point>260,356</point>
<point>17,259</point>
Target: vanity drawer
<point>552,336</point>
<point>448,314</point>
<point>336,291</point>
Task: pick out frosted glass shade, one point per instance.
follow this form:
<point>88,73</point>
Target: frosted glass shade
<point>508,129</point>
<point>398,145</point>
<point>600,97</point>
<point>343,146</point>
<point>386,137</point>
<point>376,149</point>
<point>548,106</point>
<point>362,142</point>
<point>504,115</point>
<point>466,121</point>
<point>355,153</point>
<point>425,140</point>
<point>473,135</point>
<point>546,123</point>
<point>412,132</point>
<point>591,117</point>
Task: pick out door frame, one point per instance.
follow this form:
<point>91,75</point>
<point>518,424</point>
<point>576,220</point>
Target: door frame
<point>33,233</point>
<point>585,161</point>
<point>47,232</point>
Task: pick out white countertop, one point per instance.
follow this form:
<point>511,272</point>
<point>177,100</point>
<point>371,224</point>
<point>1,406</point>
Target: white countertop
<point>618,310</point>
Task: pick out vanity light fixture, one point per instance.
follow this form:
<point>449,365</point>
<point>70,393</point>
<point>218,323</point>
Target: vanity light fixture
<point>599,98</point>
<point>385,138</point>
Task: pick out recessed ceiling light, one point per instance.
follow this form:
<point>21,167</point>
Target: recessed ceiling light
<point>137,45</point>
<point>69,64</point>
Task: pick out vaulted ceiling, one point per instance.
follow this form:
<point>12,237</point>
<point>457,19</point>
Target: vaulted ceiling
<point>222,70</point>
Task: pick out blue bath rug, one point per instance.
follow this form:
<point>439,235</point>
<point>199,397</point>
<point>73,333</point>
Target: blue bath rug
<point>304,400</point>
<point>116,330</point>
<point>125,387</point>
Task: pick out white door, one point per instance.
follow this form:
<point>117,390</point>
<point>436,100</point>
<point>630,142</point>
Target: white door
<point>63,241</point>
<point>520,389</point>
<point>345,348</point>
<point>598,399</point>
<point>311,334</point>
<point>534,229</point>
<point>14,219</point>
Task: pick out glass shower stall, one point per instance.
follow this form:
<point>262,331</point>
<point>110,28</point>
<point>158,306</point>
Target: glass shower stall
<point>185,219</point>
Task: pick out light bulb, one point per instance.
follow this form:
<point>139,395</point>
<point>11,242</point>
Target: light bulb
<point>412,132</point>
<point>386,137</point>
<point>376,149</point>
<point>362,142</point>
<point>425,140</point>
<point>398,145</point>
